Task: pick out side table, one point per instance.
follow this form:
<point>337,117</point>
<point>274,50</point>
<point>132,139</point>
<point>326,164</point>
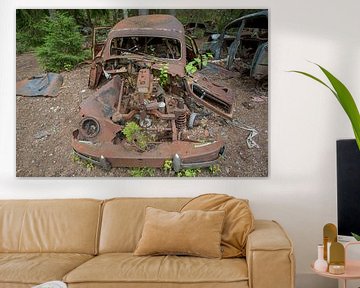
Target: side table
<point>352,269</point>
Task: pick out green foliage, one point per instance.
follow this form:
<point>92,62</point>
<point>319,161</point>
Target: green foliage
<point>142,141</point>
<point>215,169</point>
<point>67,67</point>
<point>86,164</point>
<point>29,21</point>
<point>134,134</point>
<point>142,172</point>
<point>130,130</point>
<point>167,167</point>
<point>75,158</point>
<point>62,47</point>
<point>356,236</point>
<point>198,63</point>
<point>26,41</point>
<point>344,97</point>
<point>164,75</point>
<point>198,33</point>
<point>22,44</point>
<point>29,29</point>
<point>191,67</point>
<point>205,58</point>
<point>189,172</point>
<point>89,165</point>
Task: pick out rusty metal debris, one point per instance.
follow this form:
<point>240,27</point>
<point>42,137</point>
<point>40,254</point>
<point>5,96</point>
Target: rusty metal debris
<point>42,85</point>
<point>243,44</point>
<point>196,29</point>
<point>140,77</point>
<point>98,39</point>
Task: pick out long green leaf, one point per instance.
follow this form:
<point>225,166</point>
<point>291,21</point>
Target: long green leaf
<point>357,237</point>
<point>347,102</point>
<point>316,79</point>
<point>344,97</point>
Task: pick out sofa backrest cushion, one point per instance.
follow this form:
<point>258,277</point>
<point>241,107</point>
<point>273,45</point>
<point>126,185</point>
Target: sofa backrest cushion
<point>123,220</point>
<point>64,226</point>
<point>238,224</point>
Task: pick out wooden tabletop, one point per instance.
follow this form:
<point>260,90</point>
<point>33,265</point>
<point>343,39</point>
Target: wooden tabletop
<point>352,271</point>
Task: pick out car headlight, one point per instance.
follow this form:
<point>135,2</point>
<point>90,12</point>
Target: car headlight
<point>90,127</point>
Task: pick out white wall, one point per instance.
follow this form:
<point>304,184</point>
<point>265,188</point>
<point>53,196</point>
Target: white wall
<point>305,120</point>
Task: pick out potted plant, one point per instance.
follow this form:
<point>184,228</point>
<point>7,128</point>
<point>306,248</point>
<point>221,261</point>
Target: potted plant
<point>346,100</point>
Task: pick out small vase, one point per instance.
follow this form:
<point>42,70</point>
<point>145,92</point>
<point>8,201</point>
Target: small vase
<point>320,264</point>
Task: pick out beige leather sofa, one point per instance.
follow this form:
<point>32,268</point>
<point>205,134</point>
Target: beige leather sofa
<point>89,243</point>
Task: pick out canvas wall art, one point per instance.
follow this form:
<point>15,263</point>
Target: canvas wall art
<point>142,93</point>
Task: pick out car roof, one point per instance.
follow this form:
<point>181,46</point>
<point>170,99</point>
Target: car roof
<point>237,22</point>
<point>151,22</point>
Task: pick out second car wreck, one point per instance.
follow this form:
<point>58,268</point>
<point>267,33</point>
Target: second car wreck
<point>147,109</point>
<point>244,44</point>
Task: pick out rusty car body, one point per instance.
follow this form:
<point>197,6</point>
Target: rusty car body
<point>140,77</point>
<point>243,42</point>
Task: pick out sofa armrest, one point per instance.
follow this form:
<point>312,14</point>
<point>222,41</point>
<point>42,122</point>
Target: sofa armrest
<point>269,256</point>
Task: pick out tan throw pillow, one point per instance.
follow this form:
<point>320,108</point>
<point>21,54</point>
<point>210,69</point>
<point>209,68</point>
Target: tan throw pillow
<point>239,220</point>
<point>196,233</point>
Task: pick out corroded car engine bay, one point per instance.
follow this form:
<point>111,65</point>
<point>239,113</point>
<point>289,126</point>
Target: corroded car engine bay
<point>166,121</point>
<point>156,109</point>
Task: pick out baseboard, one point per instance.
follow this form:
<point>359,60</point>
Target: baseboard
<point>310,280</point>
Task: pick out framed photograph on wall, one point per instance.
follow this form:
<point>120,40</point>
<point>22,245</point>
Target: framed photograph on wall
<point>142,92</point>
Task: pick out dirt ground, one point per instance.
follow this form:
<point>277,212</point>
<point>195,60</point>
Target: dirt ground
<point>44,129</point>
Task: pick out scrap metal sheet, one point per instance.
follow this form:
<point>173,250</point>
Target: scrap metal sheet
<point>41,85</point>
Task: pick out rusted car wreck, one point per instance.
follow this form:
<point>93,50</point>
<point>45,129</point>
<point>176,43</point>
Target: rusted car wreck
<point>141,82</point>
<point>244,44</point>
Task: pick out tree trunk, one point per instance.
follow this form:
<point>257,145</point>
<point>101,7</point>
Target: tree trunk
<point>143,11</point>
<point>52,13</point>
<point>115,16</point>
<point>125,13</point>
<point>88,16</point>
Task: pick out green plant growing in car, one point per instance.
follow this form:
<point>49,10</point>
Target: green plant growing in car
<point>189,172</point>
<point>167,167</point>
<point>130,130</point>
<point>134,134</point>
<point>197,63</point>
<point>164,75</point>
<point>142,172</point>
<point>344,97</point>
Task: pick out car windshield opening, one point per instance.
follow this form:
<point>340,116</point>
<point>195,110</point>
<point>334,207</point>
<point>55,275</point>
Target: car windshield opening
<point>159,47</point>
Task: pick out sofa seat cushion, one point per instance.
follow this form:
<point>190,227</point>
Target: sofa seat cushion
<point>36,268</point>
<point>127,268</point>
